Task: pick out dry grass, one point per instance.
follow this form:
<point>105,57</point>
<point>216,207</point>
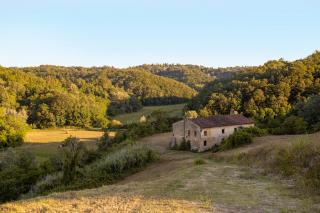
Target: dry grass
<point>121,202</point>
<point>268,142</point>
<point>44,143</point>
<point>58,135</point>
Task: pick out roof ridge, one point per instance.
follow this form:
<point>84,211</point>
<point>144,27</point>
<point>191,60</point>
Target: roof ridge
<point>221,120</point>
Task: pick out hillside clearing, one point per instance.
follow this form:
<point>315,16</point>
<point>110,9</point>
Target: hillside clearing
<point>176,184</point>
<point>171,111</point>
<point>44,143</point>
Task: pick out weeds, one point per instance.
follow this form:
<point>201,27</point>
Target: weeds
<point>199,162</point>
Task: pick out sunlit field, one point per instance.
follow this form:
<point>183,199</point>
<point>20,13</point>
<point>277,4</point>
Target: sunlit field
<point>171,110</point>
<point>44,143</point>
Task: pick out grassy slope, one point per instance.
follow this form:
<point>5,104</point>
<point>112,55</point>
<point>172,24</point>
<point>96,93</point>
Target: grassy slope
<point>44,143</point>
<point>172,110</point>
<point>176,184</point>
<point>264,143</point>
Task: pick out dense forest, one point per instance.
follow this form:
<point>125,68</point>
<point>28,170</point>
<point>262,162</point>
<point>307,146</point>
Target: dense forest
<point>54,96</point>
<point>270,91</point>
<point>192,75</point>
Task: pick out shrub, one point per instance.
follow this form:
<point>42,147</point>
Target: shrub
<point>255,131</point>
<point>294,125</point>
<point>316,127</point>
<point>72,154</point>
<point>107,169</point>
<point>12,130</point>
<point>215,148</point>
<point>185,145</point>
<point>17,174</point>
<point>49,182</point>
<point>235,140</point>
<point>310,110</point>
<point>302,161</point>
<point>127,158</point>
<point>199,162</point>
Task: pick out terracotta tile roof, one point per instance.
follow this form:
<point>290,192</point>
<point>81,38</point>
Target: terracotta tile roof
<point>222,120</point>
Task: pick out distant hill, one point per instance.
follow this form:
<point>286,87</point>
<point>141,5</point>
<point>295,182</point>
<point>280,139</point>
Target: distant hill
<point>191,75</point>
<point>119,84</point>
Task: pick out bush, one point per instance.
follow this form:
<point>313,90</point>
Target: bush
<point>12,130</point>
<point>72,153</point>
<point>294,125</point>
<point>255,131</point>
<point>47,184</point>
<point>310,110</point>
<point>235,140</point>
<point>185,145</point>
<point>18,173</point>
<point>215,148</point>
<point>107,169</point>
<point>127,158</point>
<point>199,162</point>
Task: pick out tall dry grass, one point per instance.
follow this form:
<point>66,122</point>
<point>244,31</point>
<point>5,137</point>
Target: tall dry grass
<point>299,160</point>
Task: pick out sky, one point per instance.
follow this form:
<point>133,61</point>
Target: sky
<point>121,33</point>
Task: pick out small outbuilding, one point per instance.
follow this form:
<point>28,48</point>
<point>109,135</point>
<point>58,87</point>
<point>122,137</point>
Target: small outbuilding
<point>204,133</point>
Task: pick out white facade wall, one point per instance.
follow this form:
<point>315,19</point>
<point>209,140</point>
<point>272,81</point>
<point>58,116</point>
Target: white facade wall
<point>216,135</point>
<point>198,140</point>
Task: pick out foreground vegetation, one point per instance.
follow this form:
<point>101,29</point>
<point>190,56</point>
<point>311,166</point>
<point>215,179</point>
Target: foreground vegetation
<point>74,166</point>
<point>291,157</point>
<point>178,182</point>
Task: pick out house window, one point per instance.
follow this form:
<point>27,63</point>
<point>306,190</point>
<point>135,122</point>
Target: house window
<point>235,129</point>
<point>188,132</point>
<point>205,133</point>
<point>195,133</point>
<point>204,143</point>
<point>222,131</point>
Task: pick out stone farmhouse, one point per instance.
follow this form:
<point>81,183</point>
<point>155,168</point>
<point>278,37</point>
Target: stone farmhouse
<point>204,133</point>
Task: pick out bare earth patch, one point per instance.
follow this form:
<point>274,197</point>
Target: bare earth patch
<point>176,184</point>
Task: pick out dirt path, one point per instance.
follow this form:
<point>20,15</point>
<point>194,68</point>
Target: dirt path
<point>177,184</point>
<point>228,187</point>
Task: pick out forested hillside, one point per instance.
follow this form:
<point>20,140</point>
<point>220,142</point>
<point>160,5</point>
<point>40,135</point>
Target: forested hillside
<point>53,96</point>
<point>47,101</point>
<point>263,92</point>
<point>191,75</point>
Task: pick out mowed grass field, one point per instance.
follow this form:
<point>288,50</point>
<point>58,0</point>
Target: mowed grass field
<point>171,110</point>
<point>177,184</point>
<point>44,143</point>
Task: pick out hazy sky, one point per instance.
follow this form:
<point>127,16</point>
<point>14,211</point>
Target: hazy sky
<point>123,33</point>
